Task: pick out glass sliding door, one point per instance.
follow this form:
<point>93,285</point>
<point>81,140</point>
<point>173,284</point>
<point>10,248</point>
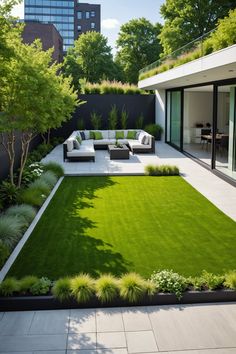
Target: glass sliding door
<point>226,133</point>
<point>175,118</point>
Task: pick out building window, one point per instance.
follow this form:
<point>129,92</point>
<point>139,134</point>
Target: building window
<point>87,15</point>
<point>93,25</point>
<point>79,15</point>
<point>93,14</point>
<point>79,28</point>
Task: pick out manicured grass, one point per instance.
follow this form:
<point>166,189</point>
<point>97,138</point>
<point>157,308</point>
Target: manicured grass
<point>119,224</point>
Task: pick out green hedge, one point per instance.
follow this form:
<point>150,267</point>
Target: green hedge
<point>111,87</point>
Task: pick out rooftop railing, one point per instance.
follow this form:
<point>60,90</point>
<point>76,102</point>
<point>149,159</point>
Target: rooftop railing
<point>196,44</point>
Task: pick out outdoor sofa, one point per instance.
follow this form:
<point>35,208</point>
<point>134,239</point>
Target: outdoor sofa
<point>81,145</point>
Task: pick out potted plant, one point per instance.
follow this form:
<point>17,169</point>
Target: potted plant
<point>155,130</point>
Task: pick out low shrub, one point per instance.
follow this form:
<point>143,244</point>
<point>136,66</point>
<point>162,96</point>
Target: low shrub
<point>8,194</point>
<point>212,281</point>
<point>50,178</point>
<point>195,282</point>
<point>4,253</point>
<point>9,286</point>
<point>54,167</point>
<point>31,173</point>
<point>167,281</point>
<point>44,149</point>
<point>10,230</point>
<point>41,185</point>
<point>41,287</point>
<point>161,170</point>
<point>25,212</point>
<point>32,196</point>
<point>230,280</point>
<point>155,130</point>
<point>82,287</point>
<point>61,289</point>
<point>132,287</point>
<point>26,283</point>
<point>107,288</point>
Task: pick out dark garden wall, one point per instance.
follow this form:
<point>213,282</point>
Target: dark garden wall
<point>135,105</point>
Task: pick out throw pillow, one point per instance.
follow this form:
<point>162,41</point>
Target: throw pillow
<point>145,139</point>
<point>70,144</point>
<point>91,135</point>
<point>98,136</point>
<point>120,135</point>
<point>131,134</point>
<point>76,144</point>
<point>78,138</point>
<point>82,134</point>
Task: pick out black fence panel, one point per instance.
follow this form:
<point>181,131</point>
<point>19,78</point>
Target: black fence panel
<point>135,105</point>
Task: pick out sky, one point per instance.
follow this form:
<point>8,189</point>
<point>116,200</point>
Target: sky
<point>116,12</point>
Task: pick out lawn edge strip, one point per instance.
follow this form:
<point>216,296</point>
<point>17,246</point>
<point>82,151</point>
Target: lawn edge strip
<point>28,232</point>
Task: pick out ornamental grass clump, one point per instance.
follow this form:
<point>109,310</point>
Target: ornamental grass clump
<point>26,283</point>
<point>32,196</point>
<point>132,287</point>
<point>161,170</point>
<point>230,280</point>
<point>9,286</point>
<point>49,177</point>
<point>54,167</point>
<point>10,230</point>
<point>82,288</point>
<point>25,212</point>
<point>41,186</point>
<point>4,253</point>
<point>167,281</point>
<point>107,288</point>
<point>62,289</point>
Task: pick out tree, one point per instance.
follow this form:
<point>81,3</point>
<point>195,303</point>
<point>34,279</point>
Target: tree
<point>90,59</point>
<point>186,20</point>
<point>138,46</point>
<point>34,97</point>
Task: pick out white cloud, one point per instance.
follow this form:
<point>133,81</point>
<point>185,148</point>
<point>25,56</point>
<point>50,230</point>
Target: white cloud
<point>110,23</point>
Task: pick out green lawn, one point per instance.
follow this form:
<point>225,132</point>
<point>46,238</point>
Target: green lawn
<point>119,224</point>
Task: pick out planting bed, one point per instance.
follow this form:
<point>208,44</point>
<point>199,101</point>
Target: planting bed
<point>120,224</point>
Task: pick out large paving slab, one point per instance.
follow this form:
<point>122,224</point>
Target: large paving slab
<point>50,322</point>
<point>109,320</point>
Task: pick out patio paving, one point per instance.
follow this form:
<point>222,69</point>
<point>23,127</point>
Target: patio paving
<point>219,192</point>
<point>179,329</point>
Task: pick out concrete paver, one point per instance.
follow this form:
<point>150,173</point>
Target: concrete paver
<point>109,320</point>
<point>82,321</point>
<point>50,322</point>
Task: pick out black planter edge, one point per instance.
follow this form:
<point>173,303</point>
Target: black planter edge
<point>33,303</point>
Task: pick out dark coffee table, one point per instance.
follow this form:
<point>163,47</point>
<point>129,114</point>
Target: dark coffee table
<point>118,153</point>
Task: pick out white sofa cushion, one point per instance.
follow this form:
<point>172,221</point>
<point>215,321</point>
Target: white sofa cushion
<point>122,141</point>
<point>111,134</point>
<point>104,134</point>
<point>102,142</point>
<point>136,144</point>
<point>87,135</point>
<point>76,144</point>
<point>70,144</point>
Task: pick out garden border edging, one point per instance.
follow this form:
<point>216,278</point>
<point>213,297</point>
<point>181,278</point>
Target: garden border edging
<point>33,303</point>
<point>28,232</point>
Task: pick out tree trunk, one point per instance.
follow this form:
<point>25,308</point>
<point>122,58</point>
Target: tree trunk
<point>48,136</point>
<point>8,143</point>
<point>25,142</point>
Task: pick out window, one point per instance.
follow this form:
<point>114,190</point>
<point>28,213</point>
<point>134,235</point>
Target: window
<point>79,28</point>
<point>87,15</point>
<point>79,15</point>
<point>93,25</point>
<point>93,14</point>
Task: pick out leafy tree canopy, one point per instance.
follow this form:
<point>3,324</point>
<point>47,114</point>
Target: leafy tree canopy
<point>138,45</point>
<point>90,59</point>
<point>186,20</point>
